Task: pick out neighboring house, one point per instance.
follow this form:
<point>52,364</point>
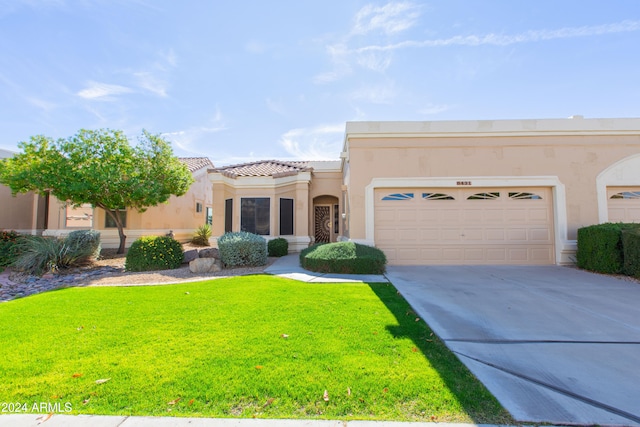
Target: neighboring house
<point>450,192</point>
<point>25,213</point>
<point>181,215</point>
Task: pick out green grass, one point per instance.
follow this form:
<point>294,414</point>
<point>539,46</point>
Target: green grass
<point>219,347</point>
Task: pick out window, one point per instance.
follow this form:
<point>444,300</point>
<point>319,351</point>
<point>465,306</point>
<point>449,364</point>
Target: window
<point>228,215</point>
<point>626,195</point>
<point>524,196</point>
<point>436,196</point>
<point>80,217</point>
<point>209,216</point>
<point>286,217</point>
<point>110,223</point>
<point>398,196</point>
<point>255,215</point>
<point>198,207</point>
<point>484,196</point>
<point>336,219</point>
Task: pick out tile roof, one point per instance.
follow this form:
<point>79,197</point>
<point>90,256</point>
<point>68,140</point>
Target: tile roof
<point>273,168</point>
<point>196,163</point>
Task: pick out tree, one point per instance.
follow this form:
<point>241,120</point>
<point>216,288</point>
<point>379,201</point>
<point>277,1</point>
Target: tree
<point>99,167</point>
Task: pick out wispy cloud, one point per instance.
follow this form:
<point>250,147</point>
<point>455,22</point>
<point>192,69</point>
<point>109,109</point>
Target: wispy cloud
<point>377,94</point>
<point>102,91</point>
<point>506,40</point>
<point>150,82</point>
<point>316,143</point>
<point>391,18</point>
<point>276,107</point>
<point>191,140</point>
<point>431,109</point>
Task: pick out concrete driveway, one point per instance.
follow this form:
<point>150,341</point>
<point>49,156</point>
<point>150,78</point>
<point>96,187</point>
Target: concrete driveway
<point>553,344</point>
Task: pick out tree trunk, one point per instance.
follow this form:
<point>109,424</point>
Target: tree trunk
<point>116,219</point>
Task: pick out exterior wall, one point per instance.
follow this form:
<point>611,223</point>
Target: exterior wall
<point>20,213</point>
<point>326,189</point>
<point>178,215</point>
<point>291,187</point>
<point>571,158</point>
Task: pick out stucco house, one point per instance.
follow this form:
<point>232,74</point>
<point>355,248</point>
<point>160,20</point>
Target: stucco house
<point>32,214</point>
<point>448,192</point>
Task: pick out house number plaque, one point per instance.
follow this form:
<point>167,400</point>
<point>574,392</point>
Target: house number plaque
<point>463,182</point>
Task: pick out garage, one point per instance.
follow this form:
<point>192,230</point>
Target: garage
<point>623,204</point>
<point>465,225</point>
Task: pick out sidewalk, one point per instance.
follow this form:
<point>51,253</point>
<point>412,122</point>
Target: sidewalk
<point>32,420</point>
<point>289,267</point>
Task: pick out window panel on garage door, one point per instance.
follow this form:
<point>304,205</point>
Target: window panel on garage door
<point>623,204</point>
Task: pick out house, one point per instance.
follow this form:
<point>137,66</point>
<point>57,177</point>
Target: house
<point>51,217</point>
<point>447,192</point>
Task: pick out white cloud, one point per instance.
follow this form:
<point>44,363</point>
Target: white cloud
<point>317,143</point>
<point>192,140</point>
<point>102,91</point>
<point>152,83</point>
<point>391,18</point>
<point>381,94</point>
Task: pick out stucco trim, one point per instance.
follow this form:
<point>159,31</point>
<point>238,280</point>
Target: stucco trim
<point>562,245</point>
<point>258,182</point>
<point>623,173</point>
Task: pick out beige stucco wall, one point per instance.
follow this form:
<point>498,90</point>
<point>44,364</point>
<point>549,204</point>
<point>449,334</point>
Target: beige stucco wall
<point>575,157</point>
<point>178,215</point>
<point>19,213</point>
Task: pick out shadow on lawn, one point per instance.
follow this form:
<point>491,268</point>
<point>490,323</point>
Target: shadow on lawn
<point>474,398</point>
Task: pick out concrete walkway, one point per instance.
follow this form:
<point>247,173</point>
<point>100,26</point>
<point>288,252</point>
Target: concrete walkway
<point>24,420</point>
<point>289,266</point>
<point>553,344</point>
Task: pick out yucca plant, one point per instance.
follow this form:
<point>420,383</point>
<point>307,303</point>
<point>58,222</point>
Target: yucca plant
<point>202,235</point>
<point>41,254</point>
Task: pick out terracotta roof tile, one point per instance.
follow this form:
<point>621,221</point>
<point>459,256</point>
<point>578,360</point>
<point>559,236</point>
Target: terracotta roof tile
<point>196,163</point>
<point>273,168</point>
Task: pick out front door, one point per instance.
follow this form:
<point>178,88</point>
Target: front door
<point>322,224</point>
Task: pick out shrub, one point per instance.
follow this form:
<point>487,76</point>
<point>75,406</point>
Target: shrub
<point>278,247</point>
<point>343,257</point>
<point>202,235</point>
<point>85,242</point>
<point>631,252</point>
<point>154,253</point>
<point>600,247</point>
<point>41,254</point>
<point>9,247</point>
<point>242,249</point>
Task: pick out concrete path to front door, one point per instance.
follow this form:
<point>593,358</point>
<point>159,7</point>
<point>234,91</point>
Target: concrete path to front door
<point>553,344</point>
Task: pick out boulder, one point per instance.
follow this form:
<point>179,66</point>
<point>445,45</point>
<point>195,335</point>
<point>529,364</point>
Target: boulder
<point>190,256</point>
<point>204,265</point>
<point>209,253</point>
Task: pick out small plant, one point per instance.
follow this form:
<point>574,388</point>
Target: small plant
<point>154,253</point>
<point>242,249</point>
<point>202,235</point>
<point>85,242</point>
<point>278,247</point>
<point>41,254</point>
<point>343,257</point>
<point>600,247</point>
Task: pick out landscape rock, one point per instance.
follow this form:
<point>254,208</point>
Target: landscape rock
<point>209,253</point>
<point>204,265</point>
<point>190,256</point>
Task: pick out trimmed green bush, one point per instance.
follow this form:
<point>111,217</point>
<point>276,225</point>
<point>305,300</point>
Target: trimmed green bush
<point>278,247</point>
<point>202,235</point>
<point>631,252</point>
<point>600,247</point>
<point>343,257</point>
<point>85,242</point>
<point>154,253</point>
<point>240,249</point>
<point>9,247</point>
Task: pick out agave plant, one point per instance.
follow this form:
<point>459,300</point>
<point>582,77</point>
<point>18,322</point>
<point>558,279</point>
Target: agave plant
<point>202,235</point>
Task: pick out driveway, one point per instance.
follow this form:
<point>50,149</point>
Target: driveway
<point>553,344</point>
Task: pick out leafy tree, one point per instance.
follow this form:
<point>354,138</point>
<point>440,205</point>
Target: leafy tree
<point>99,167</point>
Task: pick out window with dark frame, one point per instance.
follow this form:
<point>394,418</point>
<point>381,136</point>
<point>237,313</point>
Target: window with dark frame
<point>228,215</point>
<point>286,217</point>
<point>255,215</point>
<point>110,223</point>
<point>209,215</point>
<point>198,207</point>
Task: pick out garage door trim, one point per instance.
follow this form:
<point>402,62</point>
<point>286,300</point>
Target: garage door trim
<point>557,191</point>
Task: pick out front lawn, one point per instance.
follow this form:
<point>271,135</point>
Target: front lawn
<point>256,346</point>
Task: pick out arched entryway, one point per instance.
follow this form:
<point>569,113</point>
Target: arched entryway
<point>326,219</point>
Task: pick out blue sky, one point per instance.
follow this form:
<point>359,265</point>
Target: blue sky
<point>247,80</point>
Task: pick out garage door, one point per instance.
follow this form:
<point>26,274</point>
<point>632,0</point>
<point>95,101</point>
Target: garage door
<point>623,204</point>
<point>465,225</point>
